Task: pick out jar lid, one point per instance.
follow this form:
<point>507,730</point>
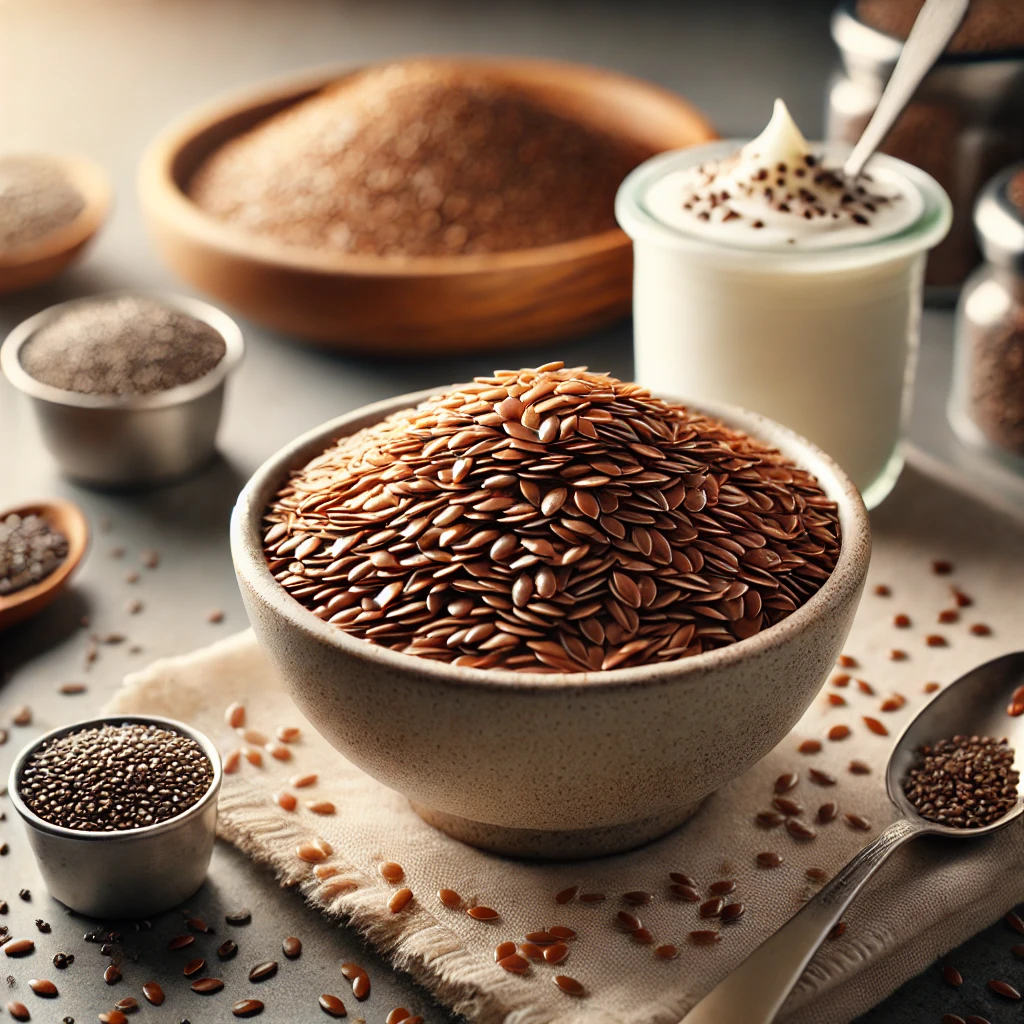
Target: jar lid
<point>999,219</point>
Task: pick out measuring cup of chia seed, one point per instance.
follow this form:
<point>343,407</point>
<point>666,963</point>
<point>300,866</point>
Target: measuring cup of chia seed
<point>121,812</point>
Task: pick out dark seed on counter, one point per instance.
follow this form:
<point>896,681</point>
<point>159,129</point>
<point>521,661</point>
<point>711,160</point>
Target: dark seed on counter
<point>711,907</point>
<point>859,768</point>
<point>154,993</point>
<point>127,1005</point>
<point>247,1008</point>
<point>482,913</point>
<point>262,971</point>
<point>827,812</point>
<point>193,967</point>
<point>936,640</point>
<point>452,900</point>
<point>112,975</point>
<point>865,687</point>
<point>20,947</point>
<point>838,732</point>
<point>682,879</point>
<point>71,689</point>
<point>769,859</point>
<point>724,887</point>
<point>901,621</point>
<point>643,936</point>
<point>1015,921</point>
<point>788,807</point>
<point>817,874</point>
<point>770,819</point>
<point>561,932</point>
<point>570,986</point>
<point>181,942</point>
<point>810,747</point>
<point>1003,988</point>
<point>980,629</point>
<point>207,986</point>
<point>197,924</point>
<point>19,1011</point>
<point>821,778</point>
<point>562,897</point>
<point>666,952</point>
<point>875,726</point>
<point>43,988</point>
<point>332,1005</point>
<point>948,616</point>
<point>897,655</point>
<point>952,976</point>
<point>624,919</point>
<point>292,947</point>
<point>942,567</point>
<point>227,949</point>
<point>684,892</point>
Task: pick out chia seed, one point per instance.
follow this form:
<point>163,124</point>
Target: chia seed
<point>115,777</point>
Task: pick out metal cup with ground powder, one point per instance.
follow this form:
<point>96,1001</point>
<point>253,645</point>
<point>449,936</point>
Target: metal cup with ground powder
<point>30,549</point>
<point>115,777</point>
<point>551,520</point>
<point>122,345</point>
<point>418,159</point>
<point>36,199</point>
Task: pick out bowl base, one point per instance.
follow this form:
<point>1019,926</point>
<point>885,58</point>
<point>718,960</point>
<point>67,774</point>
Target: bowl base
<point>541,844</point>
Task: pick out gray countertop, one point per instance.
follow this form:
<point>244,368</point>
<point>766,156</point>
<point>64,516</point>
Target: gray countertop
<point>102,76</point>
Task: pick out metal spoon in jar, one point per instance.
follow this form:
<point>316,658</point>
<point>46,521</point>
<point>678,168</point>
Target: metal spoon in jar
<point>975,705</point>
<point>932,31</point>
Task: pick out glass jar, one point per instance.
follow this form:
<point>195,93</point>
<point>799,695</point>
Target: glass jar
<point>986,404</point>
<point>965,123</point>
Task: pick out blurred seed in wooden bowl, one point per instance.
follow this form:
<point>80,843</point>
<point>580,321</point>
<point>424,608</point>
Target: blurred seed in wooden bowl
<point>441,204</point>
<point>51,206</point>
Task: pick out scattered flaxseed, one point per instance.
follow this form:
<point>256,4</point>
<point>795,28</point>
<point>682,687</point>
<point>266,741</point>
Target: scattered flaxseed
<point>901,621</point>
<point>686,892</point>
<point>570,986</point>
<point>865,687</point>
<point>941,567</point>
<point>666,952</point>
<point>392,872</point>
<point>948,616</point>
<point>817,875</point>
<point>784,783</point>
<point>952,976</point>
<point>875,726</point>
<point>859,768</point>
<point>936,640</point>
<point>332,1005</point>
<point>787,806</point>
<point>821,778</point>
<point>449,898</point>
<point>567,895</point>
<point>214,615</point>
<point>836,700</point>
<point>980,629</point>
<point>847,661</point>
<point>838,732</point>
<point>399,900</point>
<point>932,687</point>
<point>897,655</point>
<point>1004,989</point>
<point>798,830</point>
<point>893,703</point>
<point>858,822</point>
<point>704,937</point>
<point>882,590</point>
<point>480,913</point>
<point>70,689</point>
<point>809,747</point>
<point>769,859</point>
<point>22,716</point>
<point>841,680</point>
<point>961,599</point>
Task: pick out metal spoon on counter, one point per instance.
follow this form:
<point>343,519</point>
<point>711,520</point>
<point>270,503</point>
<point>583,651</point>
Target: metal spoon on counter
<point>932,31</point>
<point>975,705</point>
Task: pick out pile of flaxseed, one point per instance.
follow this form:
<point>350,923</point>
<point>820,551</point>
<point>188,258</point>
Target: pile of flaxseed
<point>36,199</point>
<point>30,549</point>
<point>416,159</point>
<point>551,519</point>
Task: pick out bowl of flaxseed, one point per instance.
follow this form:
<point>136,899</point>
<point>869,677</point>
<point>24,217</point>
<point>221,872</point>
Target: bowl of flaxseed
<point>127,387</point>
<point>120,811</point>
<point>553,609</point>
<point>424,205</point>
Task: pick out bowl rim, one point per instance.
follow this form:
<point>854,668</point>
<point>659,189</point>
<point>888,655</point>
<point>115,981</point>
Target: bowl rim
<point>56,512</point>
<point>33,820</point>
<point>92,182</point>
<point>844,582</point>
<point>158,185</point>
<point>234,349</point>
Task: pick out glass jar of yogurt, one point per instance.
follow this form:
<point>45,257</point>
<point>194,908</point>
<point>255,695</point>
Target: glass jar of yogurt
<point>763,278</point>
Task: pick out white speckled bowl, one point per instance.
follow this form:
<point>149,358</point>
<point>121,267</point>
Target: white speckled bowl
<point>552,766</point>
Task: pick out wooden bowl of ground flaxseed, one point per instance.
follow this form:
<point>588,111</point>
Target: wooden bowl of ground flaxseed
<point>432,205</point>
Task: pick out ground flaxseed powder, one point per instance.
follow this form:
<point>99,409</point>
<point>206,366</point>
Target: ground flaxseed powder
<point>415,159</point>
<point>36,199</point>
<point>122,345</point>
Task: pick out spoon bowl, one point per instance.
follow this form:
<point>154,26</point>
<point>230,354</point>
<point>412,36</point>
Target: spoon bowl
<point>975,705</point>
<point>44,258</point>
<point>66,518</point>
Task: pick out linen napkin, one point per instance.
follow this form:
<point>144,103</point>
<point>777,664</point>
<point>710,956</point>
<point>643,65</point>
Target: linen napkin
<point>930,898</point>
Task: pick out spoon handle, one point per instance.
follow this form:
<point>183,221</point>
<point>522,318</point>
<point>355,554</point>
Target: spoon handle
<point>932,31</point>
<point>753,993</point>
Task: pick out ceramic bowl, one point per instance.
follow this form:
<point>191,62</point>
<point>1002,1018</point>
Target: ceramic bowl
<point>551,766</point>
<point>419,304</point>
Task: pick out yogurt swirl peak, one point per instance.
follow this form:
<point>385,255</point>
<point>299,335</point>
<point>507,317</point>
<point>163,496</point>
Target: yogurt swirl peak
<point>777,192</point>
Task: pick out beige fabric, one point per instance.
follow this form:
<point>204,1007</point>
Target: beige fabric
<point>929,899</point>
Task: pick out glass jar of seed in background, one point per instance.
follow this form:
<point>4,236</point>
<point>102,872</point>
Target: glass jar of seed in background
<point>986,404</point>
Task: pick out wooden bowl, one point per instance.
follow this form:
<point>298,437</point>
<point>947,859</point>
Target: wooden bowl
<point>67,518</point>
<point>43,259</point>
<point>420,304</point>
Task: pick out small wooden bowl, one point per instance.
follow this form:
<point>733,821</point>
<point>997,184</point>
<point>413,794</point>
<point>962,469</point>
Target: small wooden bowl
<point>67,518</point>
<point>43,259</point>
<point>421,304</point>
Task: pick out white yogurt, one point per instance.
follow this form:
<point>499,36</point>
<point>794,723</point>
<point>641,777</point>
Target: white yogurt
<point>764,279</point>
